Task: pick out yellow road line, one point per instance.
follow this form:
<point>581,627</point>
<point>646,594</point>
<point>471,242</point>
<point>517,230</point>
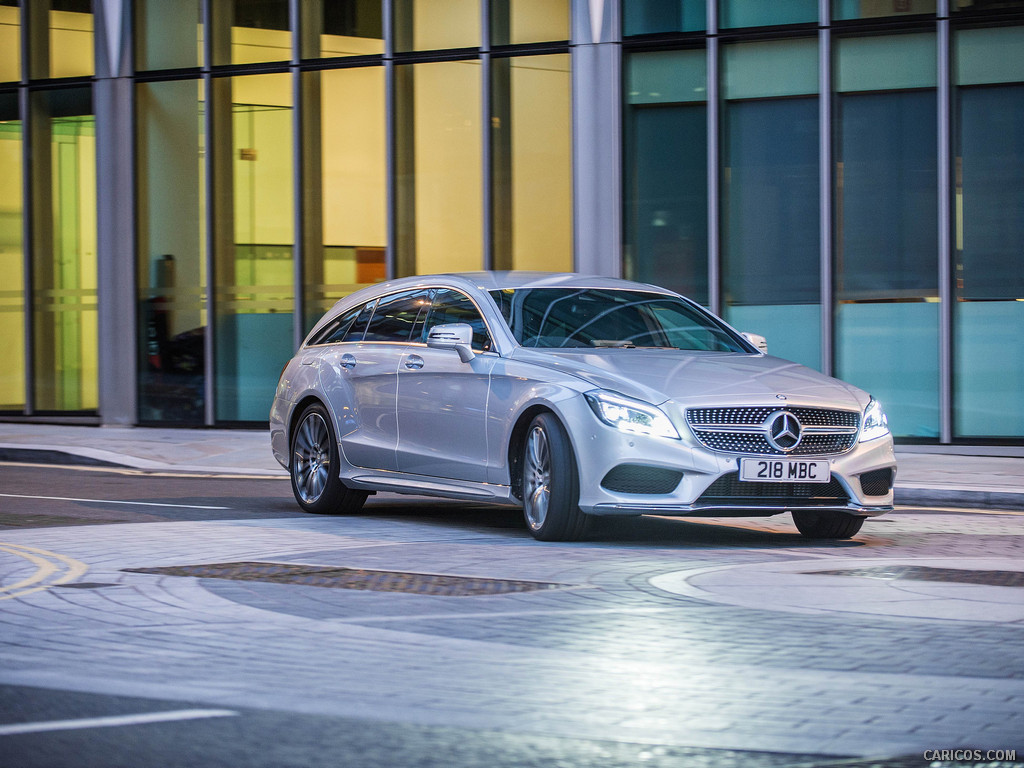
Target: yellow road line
<point>51,569</point>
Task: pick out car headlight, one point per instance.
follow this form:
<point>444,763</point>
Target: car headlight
<point>629,415</point>
<point>875,423</point>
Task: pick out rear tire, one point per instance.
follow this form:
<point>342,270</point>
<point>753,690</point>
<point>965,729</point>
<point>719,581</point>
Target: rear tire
<point>551,485</point>
<point>827,525</point>
<point>314,467</point>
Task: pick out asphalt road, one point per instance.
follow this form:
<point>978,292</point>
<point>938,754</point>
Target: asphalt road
<point>631,648</point>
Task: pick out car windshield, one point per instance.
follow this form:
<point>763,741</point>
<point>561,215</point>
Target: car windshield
<point>593,317</point>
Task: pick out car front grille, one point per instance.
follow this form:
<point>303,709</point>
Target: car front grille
<point>729,489</point>
<point>824,431</point>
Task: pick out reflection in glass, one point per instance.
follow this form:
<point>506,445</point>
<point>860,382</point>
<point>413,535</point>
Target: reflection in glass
<point>646,17</point>
<point>245,32</point>
<point>532,163</point>
<point>986,6</point>
<point>528,21</point>
<point>666,209</point>
<point>71,40</point>
<point>254,295</point>
<point>989,242</point>
<point>10,41</point>
<point>12,289</point>
<point>430,25</point>
<point>171,265</point>
<point>64,263</point>
<point>869,9</point>
<point>168,35</point>
<point>770,227</point>
<point>438,168</point>
<point>352,234</point>
<point>886,272</point>
<point>347,28</point>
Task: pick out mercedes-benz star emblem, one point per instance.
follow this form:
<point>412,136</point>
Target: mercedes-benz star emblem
<point>784,431</point>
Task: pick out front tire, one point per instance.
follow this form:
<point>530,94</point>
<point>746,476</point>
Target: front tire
<point>314,467</point>
<point>551,485</point>
<point>827,525</point>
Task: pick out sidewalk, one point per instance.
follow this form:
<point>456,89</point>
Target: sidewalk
<point>924,476</point>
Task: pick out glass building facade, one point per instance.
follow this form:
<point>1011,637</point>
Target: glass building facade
<point>185,187</point>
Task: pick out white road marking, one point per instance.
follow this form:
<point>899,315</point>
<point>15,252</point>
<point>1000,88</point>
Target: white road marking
<point>110,501</point>
<point>109,722</point>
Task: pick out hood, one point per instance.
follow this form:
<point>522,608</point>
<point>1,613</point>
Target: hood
<point>699,378</point>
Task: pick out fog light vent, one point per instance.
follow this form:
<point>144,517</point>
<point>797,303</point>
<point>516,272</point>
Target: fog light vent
<point>877,482</point>
<point>639,478</point>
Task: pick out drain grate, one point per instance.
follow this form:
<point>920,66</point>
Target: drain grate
<point>333,577</point>
<point>924,573</point>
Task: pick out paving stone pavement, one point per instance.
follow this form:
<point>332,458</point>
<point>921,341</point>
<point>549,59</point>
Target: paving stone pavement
<point>610,655</point>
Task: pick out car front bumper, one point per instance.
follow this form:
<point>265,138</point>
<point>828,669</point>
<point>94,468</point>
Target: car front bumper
<point>601,449</point>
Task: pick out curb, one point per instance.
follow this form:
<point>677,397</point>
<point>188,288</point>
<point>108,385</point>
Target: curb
<point>959,497</point>
<point>94,457</point>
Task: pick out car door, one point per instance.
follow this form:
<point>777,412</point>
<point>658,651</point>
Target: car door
<point>359,377</point>
<point>442,402</point>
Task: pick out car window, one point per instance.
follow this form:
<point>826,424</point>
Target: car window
<point>397,315</point>
<point>348,326</point>
<point>590,317</point>
<point>454,307</point>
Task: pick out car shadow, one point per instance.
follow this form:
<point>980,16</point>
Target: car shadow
<point>618,531</point>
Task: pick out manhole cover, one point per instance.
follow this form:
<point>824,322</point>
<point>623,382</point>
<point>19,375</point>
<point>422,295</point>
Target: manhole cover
<point>333,577</point>
<point>924,573</point>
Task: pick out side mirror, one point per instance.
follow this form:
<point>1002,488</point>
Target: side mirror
<point>758,341</point>
<point>457,336</point>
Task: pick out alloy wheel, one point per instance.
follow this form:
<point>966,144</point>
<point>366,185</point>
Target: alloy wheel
<point>312,457</point>
<point>537,478</point>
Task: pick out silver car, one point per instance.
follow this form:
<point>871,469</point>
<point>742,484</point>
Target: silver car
<point>571,396</point>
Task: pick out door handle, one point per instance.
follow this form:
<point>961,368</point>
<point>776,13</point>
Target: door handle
<point>414,362</point>
<point>348,361</point>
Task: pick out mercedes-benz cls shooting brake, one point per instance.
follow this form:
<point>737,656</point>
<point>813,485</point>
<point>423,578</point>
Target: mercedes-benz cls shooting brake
<point>571,396</point>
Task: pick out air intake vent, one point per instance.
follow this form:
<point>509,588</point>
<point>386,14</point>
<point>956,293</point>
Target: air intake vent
<point>730,489</point>
<point>638,478</point>
<point>877,482</point>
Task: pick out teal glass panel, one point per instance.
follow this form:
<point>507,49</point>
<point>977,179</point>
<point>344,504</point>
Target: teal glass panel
<point>886,202</point>
<point>989,369</point>
<point>775,68</point>
<point>793,331</point>
<point>667,77</point>
<point>989,197</point>
<point>888,62</point>
<point>666,198</point>
<point>892,351</point>
<point>989,241</point>
<point>647,17</point>
<point>770,226</point>
<point>873,9</point>
<point>886,264</point>
<point>757,13</point>
<point>990,56</point>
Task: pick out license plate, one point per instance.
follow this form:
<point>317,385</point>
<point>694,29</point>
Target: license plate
<point>785,471</point>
